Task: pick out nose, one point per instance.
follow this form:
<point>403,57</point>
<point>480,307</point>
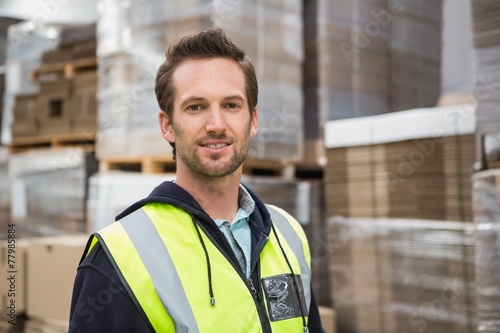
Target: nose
<point>216,123</point>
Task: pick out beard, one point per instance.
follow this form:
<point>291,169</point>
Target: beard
<point>216,166</point>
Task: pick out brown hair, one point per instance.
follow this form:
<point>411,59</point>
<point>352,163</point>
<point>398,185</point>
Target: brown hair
<point>211,43</point>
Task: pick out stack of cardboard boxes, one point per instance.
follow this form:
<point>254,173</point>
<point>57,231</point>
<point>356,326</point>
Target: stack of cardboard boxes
<point>487,46</point>
<point>41,282</point>
<point>270,32</point>
<point>23,56</point>
<point>414,164</point>
<point>24,113</point>
<point>49,190</point>
<point>415,52</point>
<point>51,269</point>
<point>403,275</point>
<point>366,58</point>
<point>396,185</point>
<point>13,294</point>
<point>487,219</point>
<point>487,84</point>
<point>457,61</point>
<point>65,102</point>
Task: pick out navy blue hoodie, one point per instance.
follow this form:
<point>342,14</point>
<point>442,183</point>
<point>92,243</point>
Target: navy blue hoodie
<point>100,301</point>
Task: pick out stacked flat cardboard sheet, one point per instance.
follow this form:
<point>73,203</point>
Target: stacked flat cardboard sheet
<point>347,70</point>
<point>49,190</point>
<point>487,219</point>
<point>270,33</point>
<point>457,53</point>
<point>366,58</point>
<point>411,164</point>
<point>486,36</point>
<point>402,275</point>
<point>415,55</point>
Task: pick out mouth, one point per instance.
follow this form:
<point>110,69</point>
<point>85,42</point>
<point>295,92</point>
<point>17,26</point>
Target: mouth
<point>216,145</point>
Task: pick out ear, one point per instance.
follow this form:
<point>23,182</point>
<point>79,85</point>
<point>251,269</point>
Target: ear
<point>254,125</point>
<point>166,127</point>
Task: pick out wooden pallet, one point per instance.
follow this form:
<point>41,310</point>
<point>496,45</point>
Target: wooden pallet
<point>83,140</point>
<point>259,167</point>
<point>161,164</point>
<point>67,69</point>
<point>149,164</point>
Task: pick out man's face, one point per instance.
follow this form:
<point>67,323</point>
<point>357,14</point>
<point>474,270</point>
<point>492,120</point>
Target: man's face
<point>211,124</point>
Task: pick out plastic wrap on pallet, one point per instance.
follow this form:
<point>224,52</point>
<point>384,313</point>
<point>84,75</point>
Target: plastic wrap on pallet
<point>487,88</point>
<point>132,46</point>
<point>4,191</point>
<point>486,34</point>
<point>49,190</point>
<point>487,219</point>
<point>111,192</point>
<point>457,71</point>
<point>24,50</point>
<point>402,275</point>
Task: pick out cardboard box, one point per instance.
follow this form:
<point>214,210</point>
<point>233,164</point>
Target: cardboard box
<point>19,272</point>
<point>328,319</point>
<point>52,115</point>
<point>52,264</point>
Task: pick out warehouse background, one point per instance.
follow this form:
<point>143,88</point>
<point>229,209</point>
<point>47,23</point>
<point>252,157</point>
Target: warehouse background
<point>379,130</point>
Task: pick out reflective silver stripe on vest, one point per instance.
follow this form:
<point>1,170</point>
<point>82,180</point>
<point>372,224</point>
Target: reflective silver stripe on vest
<point>295,244</point>
<point>152,252</point>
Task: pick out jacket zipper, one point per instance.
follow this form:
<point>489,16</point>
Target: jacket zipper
<point>261,308</point>
<point>259,304</point>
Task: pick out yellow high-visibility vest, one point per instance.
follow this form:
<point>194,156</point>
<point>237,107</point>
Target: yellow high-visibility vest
<point>158,252</point>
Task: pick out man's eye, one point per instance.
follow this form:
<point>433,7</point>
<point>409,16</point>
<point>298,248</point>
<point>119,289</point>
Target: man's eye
<point>232,106</point>
<point>194,107</point>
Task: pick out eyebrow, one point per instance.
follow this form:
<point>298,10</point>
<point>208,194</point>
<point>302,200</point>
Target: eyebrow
<point>239,97</point>
<point>201,99</point>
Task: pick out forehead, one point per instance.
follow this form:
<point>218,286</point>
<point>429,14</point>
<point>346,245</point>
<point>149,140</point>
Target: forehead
<point>208,77</point>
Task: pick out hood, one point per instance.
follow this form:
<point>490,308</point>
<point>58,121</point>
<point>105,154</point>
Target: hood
<point>170,193</point>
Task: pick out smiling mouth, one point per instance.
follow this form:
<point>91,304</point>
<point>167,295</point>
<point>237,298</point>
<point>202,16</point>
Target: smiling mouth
<point>215,146</point>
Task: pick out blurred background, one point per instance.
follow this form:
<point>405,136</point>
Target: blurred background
<point>379,131</point>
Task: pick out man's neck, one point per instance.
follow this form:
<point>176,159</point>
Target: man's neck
<point>217,197</point>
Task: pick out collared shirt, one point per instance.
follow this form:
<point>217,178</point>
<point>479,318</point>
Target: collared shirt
<point>237,232</point>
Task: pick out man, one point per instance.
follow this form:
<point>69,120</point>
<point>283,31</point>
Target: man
<point>203,253</point>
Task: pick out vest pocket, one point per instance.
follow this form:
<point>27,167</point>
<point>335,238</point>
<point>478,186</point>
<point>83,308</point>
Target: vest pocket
<point>284,296</point>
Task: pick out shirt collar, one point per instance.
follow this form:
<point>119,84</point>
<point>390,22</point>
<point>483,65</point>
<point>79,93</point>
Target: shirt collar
<point>246,207</point>
<point>245,201</point>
